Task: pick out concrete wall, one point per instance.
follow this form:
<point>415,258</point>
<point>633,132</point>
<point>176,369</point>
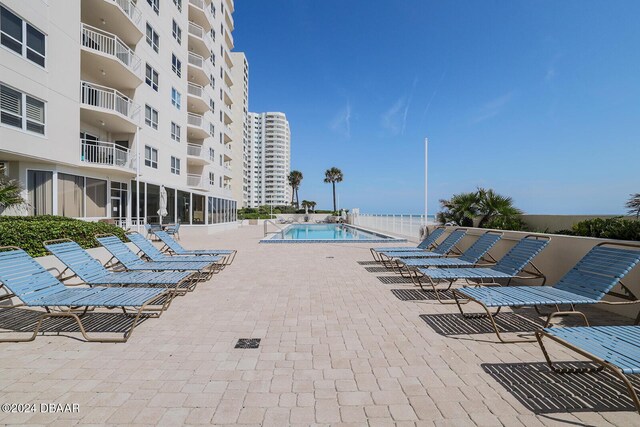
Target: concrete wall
<point>560,255</point>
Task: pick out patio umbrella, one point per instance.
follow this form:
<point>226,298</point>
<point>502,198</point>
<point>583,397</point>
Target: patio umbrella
<point>162,211</point>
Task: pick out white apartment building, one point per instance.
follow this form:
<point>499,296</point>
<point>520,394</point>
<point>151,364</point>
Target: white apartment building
<point>269,159</point>
<point>105,101</point>
<point>240,127</point>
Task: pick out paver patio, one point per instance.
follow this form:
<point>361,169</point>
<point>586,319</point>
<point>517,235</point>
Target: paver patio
<point>342,343</point>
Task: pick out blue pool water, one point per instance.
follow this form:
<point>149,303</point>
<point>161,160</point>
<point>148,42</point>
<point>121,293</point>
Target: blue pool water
<point>320,233</point>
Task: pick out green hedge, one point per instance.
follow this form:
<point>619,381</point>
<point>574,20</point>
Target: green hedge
<point>609,228</point>
<point>28,232</point>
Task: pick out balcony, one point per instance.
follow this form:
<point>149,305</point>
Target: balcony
<point>196,155</point>
<point>120,17</point>
<point>106,154</point>
<point>108,60</point>
<point>229,39</point>
<point>229,19</point>
<point>227,59</point>
<point>196,70</point>
<point>228,134</point>
<point>107,108</point>
<point>227,77</point>
<point>195,181</point>
<point>198,14</point>
<point>197,126</point>
<point>198,40</point>
<point>226,112</point>
<point>229,5</point>
<point>197,99</point>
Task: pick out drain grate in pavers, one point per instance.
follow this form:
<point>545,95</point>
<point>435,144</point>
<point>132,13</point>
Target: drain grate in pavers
<point>248,343</point>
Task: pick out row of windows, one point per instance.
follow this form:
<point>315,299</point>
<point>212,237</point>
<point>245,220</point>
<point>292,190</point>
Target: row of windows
<point>151,160</point>
<point>21,37</point>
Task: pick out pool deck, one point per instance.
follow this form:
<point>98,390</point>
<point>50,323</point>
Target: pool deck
<point>343,343</point>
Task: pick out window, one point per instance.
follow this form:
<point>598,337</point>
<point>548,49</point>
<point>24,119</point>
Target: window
<point>40,192</point>
<point>212,178</point>
<point>212,58</point>
<point>175,98</point>
<point>153,39</point>
<point>212,80</point>
<point>213,33</point>
<point>151,117</point>
<point>175,165</point>
<point>150,157</point>
<point>151,77</point>
<point>21,37</point>
<point>220,179</point>
<point>177,32</point>
<point>175,132</point>
<point>70,195</point>
<point>220,159</point>
<point>21,110</point>
<point>213,10</point>
<point>96,199</point>
<point>212,154</point>
<point>178,4</point>
<point>176,65</point>
<point>212,105</point>
<point>155,5</point>
<point>212,129</point>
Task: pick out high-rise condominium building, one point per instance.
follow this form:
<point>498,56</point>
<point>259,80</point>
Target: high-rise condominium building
<point>105,101</point>
<point>269,159</point>
<point>240,127</point>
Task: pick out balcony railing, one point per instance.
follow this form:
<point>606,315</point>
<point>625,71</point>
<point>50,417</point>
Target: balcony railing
<point>196,30</point>
<point>195,90</point>
<point>197,3</point>
<point>196,60</point>
<point>195,120</point>
<point>194,150</point>
<point>105,153</point>
<point>129,8</point>
<point>109,44</point>
<point>108,99</point>
<point>194,180</point>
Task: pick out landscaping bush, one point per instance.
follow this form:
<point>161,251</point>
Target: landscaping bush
<point>28,232</point>
<point>513,223</point>
<point>606,228</point>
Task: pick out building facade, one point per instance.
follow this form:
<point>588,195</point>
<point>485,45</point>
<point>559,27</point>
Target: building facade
<point>105,101</point>
<point>269,159</point>
<point>240,127</point>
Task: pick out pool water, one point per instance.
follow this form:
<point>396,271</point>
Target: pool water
<point>326,233</point>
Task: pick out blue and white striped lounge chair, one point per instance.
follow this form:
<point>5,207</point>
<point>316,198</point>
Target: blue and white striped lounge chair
<point>425,244</point>
<point>509,267</point>
<point>151,229</point>
<point>469,258</point>
<point>92,273</point>
<point>448,246</point>
<point>126,258</point>
<point>153,253</point>
<point>615,348</point>
<point>173,230</point>
<point>26,280</point>
<point>593,277</point>
<point>174,248</point>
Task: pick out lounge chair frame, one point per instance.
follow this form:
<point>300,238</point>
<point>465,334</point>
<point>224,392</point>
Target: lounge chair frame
<point>454,250</point>
<point>228,258</point>
<point>627,297</point>
<point>376,255</point>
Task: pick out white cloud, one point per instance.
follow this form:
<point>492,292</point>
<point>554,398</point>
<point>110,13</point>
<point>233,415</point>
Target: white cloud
<point>492,108</point>
<point>341,123</point>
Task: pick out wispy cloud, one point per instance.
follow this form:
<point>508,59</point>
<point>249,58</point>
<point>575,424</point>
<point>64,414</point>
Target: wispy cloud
<point>395,118</point>
<point>341,123</point>
<point>491,108</point>
<point>435,91</point>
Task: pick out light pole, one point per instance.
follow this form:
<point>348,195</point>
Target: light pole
<point>426,174</point>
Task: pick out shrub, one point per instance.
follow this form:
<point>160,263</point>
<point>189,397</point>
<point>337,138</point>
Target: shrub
<point>514,223</point>
<point>28,232</point>
<point>606,228</point>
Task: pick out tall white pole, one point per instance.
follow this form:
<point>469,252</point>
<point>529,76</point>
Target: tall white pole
<point>426,175</point>
<point>138,153</point>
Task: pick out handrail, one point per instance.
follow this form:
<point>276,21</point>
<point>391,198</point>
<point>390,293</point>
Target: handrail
<point>280,230</point>
<point>107,98</point>
<point>96,39</point>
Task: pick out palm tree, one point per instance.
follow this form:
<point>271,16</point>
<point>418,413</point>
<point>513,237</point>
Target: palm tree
<point>332,176</point>
<point>461,208</point>
<point>492,205</point>
<point>295,178</point>
<point>312,205</point>
<point>10,192</point>
<point>634,205</point>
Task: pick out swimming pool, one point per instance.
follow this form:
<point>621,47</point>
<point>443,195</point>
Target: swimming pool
<point>327,233</point>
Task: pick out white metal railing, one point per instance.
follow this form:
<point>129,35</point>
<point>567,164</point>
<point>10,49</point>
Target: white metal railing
<point>194,180</point>
<point>195,120</point>
<point>197,3</point>
<point>109,44</point>
<point>107,98</point>
<point>104,153</point>
<point>228,129</point>
<point>195,90</point>
<point>196,30</point>
<point>404,225</point>
<point>129,8</point>
<point>195,60</point>
<point>194,150</point>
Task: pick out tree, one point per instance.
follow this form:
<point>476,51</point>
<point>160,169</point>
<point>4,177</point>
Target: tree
<point>312,205</point>
<point>10,192</point>
<point>633,204</point>
<point>492,205</point>
<point>295,178</point>
<point>332,176</point>
<point>493,210</point>
<point>460,208</point>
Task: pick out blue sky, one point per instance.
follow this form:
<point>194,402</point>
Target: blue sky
<point>539,100</point>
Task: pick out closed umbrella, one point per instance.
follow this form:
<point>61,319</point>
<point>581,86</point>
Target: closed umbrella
<point>162,211</point>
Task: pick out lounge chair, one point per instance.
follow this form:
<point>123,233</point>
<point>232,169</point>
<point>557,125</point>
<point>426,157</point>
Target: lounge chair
<point>173,230</point>
<point>151,229</point>
<point>616,348</point>
<point>126,258</point>
<point>426,244</point>
<point>593,277</point>
<point>174,248</point>
<point>27,280</point>
<point>509,267</point>
<point>469,258</point>
<point>91,271</point>
<point>152,253</point>
<point>448,246</point>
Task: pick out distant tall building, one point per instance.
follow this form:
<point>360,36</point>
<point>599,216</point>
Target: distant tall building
<point>105,101</point>
<point>269,159</point>
<point>240,128</point>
